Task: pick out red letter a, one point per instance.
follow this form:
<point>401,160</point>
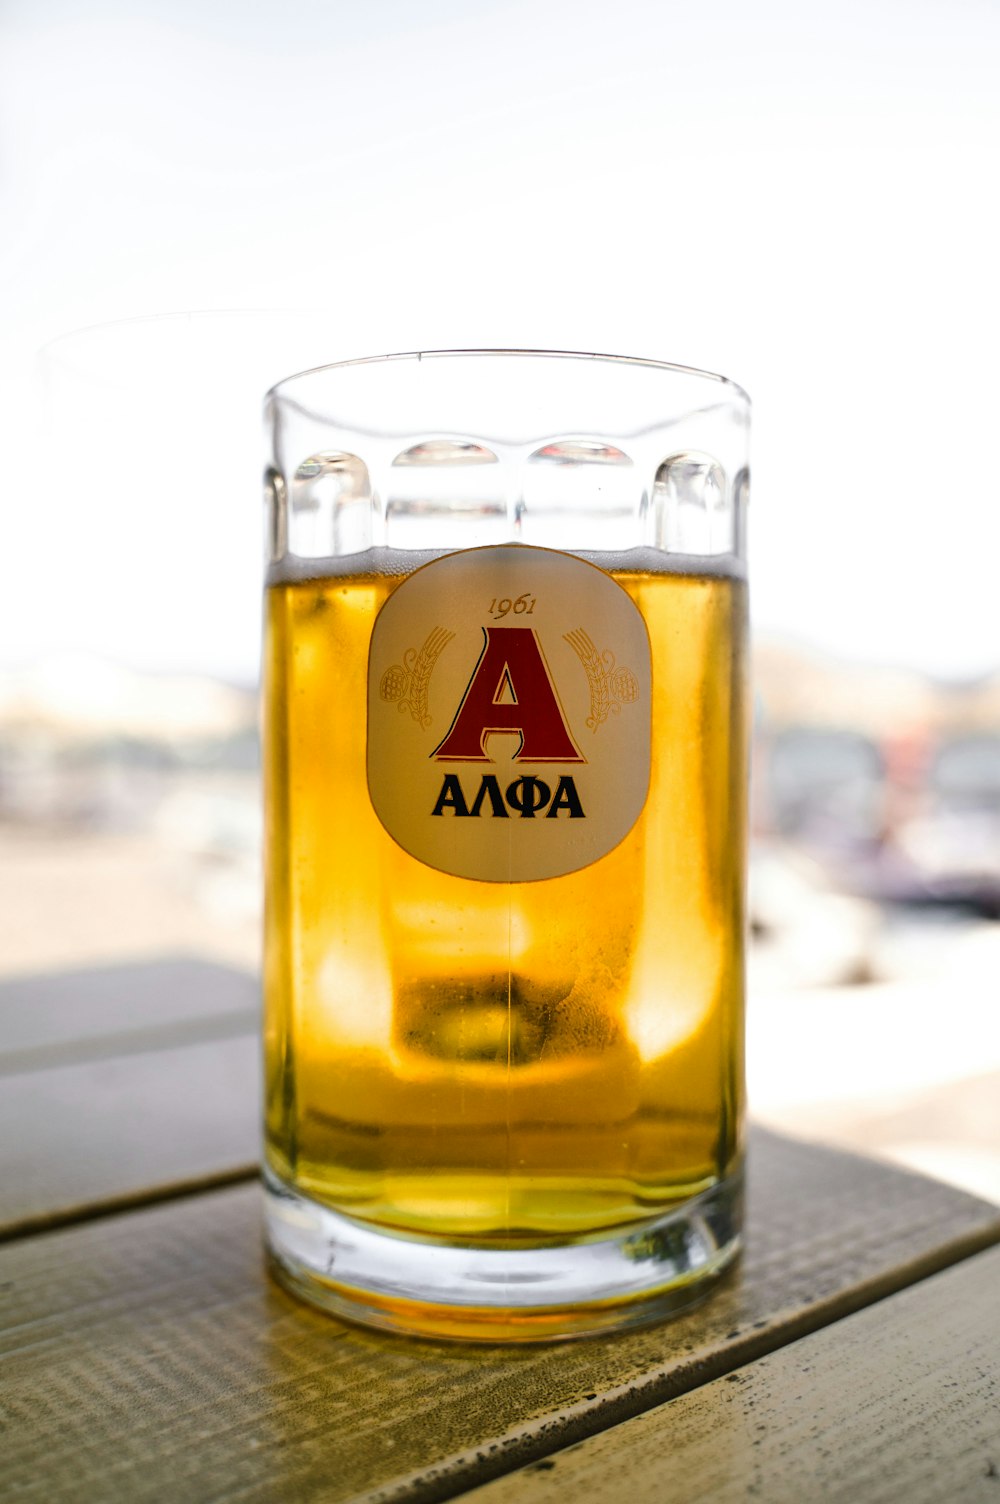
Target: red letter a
<point>510,691</point>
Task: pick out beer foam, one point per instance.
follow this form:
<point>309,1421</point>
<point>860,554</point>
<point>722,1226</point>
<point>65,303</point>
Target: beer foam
<point>403,561</point>
<point>648,560</point>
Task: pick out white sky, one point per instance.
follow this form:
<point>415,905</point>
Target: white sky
<point>803,197</point>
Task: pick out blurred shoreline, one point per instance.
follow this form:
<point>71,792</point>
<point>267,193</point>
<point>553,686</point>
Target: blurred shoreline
<point>130,828</point>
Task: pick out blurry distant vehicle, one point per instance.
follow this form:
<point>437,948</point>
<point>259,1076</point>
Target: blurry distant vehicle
<point>902,819</point>
<point>825,787</point>
<point>954,841</point>
<point>965,773</point>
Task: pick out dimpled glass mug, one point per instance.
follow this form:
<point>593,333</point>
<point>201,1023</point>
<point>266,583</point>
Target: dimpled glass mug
<point>505,767</point>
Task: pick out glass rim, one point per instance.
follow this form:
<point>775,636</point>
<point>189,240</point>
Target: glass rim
<point>277,392</point>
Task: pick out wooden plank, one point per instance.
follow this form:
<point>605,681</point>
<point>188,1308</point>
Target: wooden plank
<point>62,1018</point>
<point>149,1359</point>
<point>898,1402</point>
<point>80,1138</point>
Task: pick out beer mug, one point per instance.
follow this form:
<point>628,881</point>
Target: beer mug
<point>505,782</point>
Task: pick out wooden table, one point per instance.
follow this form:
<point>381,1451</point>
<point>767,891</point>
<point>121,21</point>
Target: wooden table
<point>145,1356</point>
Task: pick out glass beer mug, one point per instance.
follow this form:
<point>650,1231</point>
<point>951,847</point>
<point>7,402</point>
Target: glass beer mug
<point>505,764</point>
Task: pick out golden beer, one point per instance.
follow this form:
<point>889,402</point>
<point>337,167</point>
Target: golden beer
<point>491,1064</point>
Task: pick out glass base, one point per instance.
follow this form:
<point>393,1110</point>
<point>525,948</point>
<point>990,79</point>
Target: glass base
<point>639,1275</point>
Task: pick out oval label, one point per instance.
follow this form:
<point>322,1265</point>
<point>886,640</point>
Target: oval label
<point>509,705</point>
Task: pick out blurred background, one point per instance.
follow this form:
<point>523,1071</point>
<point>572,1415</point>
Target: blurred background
<point>199,197</point>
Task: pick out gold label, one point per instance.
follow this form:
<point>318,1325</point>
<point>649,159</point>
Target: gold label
<point>509,695</point>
